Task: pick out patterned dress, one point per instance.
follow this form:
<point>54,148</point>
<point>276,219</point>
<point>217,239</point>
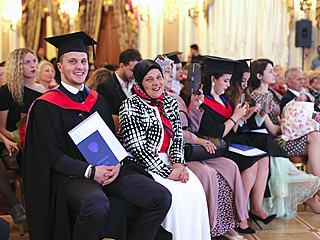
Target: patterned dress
<point>292,147</point>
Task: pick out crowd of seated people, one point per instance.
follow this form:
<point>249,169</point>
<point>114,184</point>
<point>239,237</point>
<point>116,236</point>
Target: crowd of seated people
<point>158,191</point>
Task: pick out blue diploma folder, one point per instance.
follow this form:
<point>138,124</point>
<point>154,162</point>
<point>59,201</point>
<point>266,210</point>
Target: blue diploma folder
<point>96,151</point>
<point>241,147</point>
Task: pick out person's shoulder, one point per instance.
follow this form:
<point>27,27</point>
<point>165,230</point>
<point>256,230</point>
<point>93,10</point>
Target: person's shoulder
<point>36,87</point>
<point>107,83</point>
<point>4,89</point>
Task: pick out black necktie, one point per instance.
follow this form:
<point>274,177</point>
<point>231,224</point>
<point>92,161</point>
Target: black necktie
<point>81,96</point>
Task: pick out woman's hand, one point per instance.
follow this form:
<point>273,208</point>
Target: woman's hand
<point>179,173</point>
<point>184,175</point>
<point>207,144</point>
<point>251,111</point>
<point>239,111</point>
<point>9,145</point>
<point>197,100</point>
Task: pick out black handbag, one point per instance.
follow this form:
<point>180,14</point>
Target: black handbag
<point>194,152</point>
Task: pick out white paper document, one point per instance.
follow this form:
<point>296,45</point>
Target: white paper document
<point>95,123</point>
<point>263,130</point>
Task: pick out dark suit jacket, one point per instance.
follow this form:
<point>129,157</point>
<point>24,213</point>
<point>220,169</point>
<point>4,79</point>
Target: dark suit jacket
<point>112,92</point>
<point>287,97</point>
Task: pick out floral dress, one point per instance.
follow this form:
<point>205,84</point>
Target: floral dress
<point>292,147</point>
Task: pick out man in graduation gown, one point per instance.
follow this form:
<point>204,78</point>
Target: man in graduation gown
<point>60,182</point>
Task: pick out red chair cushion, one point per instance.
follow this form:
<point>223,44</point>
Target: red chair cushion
<point>298,159</point>
<point>11,174</point>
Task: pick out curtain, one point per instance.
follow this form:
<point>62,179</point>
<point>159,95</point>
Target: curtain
<point>89,19</point>
<point>31,22</point>
<point>127,24</point>
<point>261,30</point>
<point>60,22</point>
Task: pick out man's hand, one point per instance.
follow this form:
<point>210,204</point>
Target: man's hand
<point>106,174</point>
<point>111,174</point>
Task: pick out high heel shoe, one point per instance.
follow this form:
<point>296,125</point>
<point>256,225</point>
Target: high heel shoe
<point>237,237</point>
<point>247,230</point>
<point>314,208</point>
<point>266,221</point>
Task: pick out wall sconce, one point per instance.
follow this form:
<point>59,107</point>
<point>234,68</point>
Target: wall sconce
<point>142,6</point>
<point>11,17</point>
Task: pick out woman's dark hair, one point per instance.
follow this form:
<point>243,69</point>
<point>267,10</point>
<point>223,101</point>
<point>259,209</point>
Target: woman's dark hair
<point>234,91</point>
<point>257,66</point>
<point>206,81</point>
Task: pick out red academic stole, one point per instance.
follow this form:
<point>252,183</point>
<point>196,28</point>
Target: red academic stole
<point>57,97</point>
<point>217,107</point>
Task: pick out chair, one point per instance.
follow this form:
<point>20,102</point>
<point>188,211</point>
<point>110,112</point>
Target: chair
<point>300,162</point>
<point>14,178</point>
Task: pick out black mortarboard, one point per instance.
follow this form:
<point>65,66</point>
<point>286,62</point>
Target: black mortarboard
<point>73,42</point>
<point>217,64</point>
<point>174,56</point>
<point>242,66</point>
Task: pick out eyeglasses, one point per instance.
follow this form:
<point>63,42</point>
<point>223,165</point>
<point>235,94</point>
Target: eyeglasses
<point>161,57</point>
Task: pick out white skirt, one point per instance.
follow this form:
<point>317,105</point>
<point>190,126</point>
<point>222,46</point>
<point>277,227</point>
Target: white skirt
<point>188,217</point>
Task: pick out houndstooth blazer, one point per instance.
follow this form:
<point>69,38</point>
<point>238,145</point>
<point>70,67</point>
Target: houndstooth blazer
<point>142,132</point>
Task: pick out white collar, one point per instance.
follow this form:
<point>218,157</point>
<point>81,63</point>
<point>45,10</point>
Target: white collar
<point>296,93</point>
<point>72,89</point>
<point>122,83</point>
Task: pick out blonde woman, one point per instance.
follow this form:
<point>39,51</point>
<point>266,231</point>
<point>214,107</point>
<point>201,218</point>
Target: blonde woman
<point>46,75</point>
<point>98,77</point>
<point>19,89</point>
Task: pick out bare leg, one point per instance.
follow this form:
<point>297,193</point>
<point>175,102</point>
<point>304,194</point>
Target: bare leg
<point>259,187</point>
<point>248,178</point>
<point>313,151</point>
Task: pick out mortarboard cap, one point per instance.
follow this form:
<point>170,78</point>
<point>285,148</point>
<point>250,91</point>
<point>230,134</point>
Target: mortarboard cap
<point>242,66</point>
<point>73,42</point>
<point>217,64</point>
<point>174,56</point>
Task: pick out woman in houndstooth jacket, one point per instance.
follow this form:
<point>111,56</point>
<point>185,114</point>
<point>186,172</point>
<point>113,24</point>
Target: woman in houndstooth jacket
<point>151,130</point>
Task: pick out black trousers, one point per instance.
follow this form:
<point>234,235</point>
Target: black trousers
<point>86,197</point>
<point>153,200</point>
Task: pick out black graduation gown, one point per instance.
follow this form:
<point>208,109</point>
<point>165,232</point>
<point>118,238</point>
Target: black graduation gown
<point>212,124</point>
<point>263,141</point>
<point>46,142</point>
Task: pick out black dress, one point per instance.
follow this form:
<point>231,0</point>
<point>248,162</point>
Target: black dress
<point>212,124</point>
<point>15,110</point>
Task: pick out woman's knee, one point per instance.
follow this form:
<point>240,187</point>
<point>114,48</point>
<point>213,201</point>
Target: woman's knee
<point>264,162</point>
<point>314,136</point>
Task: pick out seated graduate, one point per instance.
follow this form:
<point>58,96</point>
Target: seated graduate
<point>219,176</point>
<point>221,119</point>
<point>288,186</point>
<point>59,182</point>
<point>151,130</point>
